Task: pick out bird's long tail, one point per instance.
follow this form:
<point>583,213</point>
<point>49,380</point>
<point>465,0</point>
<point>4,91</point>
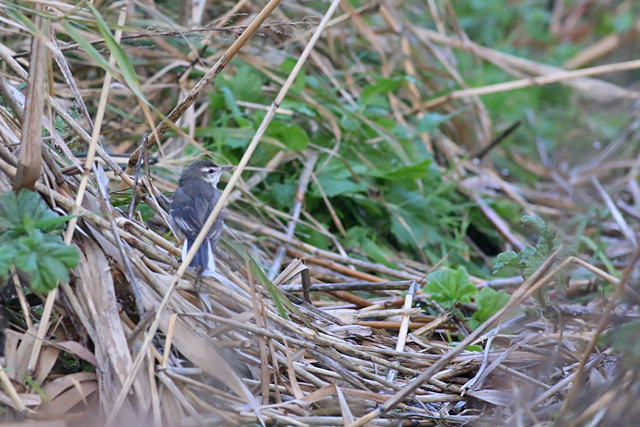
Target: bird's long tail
<point>203,261</point>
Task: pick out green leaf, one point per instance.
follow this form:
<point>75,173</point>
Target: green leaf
<point>293,136</point>
<point>300,80</point>
<point>230,101</point>
<point>625,338</point>
<point>448,286</point>
<point>411,172</point>
<point>377,88</point>
<point>489,302</point>
<point>48,224</point>
<point>430,121</point>
<point>27,210</point>
<point>334,187</point>
<point>119,55</point>
<point>246,85</point>
<point>535,220</point>
<point>358,237</point>
<point>506,259</point>
<point>283,193</point>
<point>7,256</point>
<point>88,48</point>
<point>14,209</point>
<point>46,258</point>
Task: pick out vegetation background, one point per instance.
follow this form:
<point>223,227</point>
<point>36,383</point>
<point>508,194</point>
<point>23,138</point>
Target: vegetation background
<point>469,147</point>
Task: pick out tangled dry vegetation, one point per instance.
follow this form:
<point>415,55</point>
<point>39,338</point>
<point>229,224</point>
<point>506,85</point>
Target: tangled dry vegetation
<point>288,333</point>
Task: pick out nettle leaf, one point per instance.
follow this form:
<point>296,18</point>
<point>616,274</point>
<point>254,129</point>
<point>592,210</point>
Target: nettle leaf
<point>547,235</point>
<point>489,302</point>
<point>246,85</point>
<point>505,260</point>
<point>7,255</point>
<point>448,286</point>
<point>293,136</point>
<point>284,193</point>
<point>14,209</point>
<point>534,220</point>
<point>46,258</point>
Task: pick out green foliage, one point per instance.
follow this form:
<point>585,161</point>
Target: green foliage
<point>530,258</point>
<point>30,240</point>
<point>624,339</point>
<point>448,287</point>
<point>489,302</point>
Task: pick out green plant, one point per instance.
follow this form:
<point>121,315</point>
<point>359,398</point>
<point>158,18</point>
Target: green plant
<point>448,287</point>
<point>527,261</point>
<point>30,240</point>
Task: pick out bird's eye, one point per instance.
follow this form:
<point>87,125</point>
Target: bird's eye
<point>211,171</point>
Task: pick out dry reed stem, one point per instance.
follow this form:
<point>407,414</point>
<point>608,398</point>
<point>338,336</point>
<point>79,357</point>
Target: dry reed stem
<point>52,296</point>
<point>30,157</point>
<point>354,352</point>
<point>626,275</point>
<point>225,194</point>
<point>533,81</point>
<point>526,289</point>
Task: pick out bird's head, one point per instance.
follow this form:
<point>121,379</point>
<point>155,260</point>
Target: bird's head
<point>204,170</point>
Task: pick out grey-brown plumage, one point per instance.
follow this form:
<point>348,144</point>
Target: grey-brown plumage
<point>192,203</point>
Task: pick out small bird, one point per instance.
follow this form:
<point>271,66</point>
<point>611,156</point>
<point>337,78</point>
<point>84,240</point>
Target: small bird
<point>192,203</point>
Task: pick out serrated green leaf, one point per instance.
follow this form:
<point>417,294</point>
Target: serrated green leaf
<point>15,208</point>
<point>625,338</point>
<point>283,193</point>
<point>46,258</point>
<point>7,256</point>
<point>448,286</point>
<point>48,224</point>
<point>506,259</point>
<point>534,220</point>
<point>246,85</point>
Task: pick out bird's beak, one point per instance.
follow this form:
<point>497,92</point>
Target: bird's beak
<point>226,168</point>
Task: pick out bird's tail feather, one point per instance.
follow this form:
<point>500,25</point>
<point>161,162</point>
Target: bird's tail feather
<point>203,260</point>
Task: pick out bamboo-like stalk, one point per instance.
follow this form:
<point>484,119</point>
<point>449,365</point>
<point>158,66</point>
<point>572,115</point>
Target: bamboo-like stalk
<point>51,297</point>
<point>223,197</point>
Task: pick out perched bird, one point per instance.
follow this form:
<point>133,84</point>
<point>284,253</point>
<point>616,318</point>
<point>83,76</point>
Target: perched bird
<point>192,203</point>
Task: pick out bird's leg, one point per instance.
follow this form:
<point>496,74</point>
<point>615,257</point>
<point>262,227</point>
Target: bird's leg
<point>198,283</point>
